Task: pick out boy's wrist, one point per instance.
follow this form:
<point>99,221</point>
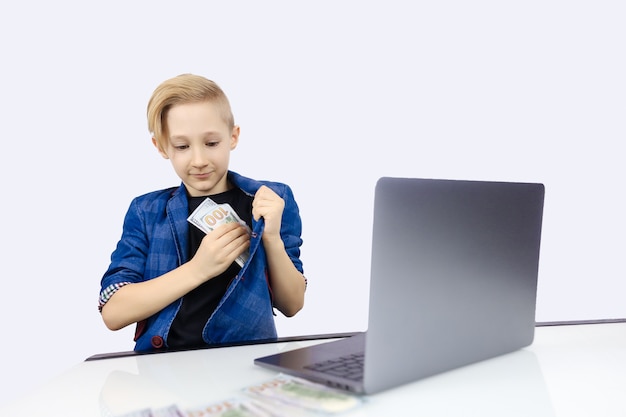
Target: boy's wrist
<point>272,242</point>
<point>194,272</point>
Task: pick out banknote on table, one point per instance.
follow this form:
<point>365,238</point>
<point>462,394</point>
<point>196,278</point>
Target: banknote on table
<point>144,412</point>
<point>210,215</point>
<point>290,396</point>
<point>169,411</point>
<point>234,407</point>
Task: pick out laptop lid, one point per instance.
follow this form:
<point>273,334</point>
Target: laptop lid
<point>453,275</point>
<point>453,281</point>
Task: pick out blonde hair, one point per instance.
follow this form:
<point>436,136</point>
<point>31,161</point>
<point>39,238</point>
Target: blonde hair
<point>183,89</point>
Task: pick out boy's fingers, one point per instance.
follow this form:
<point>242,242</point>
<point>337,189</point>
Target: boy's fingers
<point>226,228</point>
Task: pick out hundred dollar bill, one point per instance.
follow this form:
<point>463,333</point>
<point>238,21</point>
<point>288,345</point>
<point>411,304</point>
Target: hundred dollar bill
<point>144,412</point>
<point>169,411</point>
<point>234,407</point>
<point>296,396</point>
<point>210,215</point>
<point>275,408</point>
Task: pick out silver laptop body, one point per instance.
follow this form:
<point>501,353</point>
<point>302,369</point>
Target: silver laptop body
<point>453,281</point>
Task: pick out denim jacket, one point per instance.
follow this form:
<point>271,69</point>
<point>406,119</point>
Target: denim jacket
<point>154,242</point>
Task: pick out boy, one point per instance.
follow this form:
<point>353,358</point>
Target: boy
<point>182,287</point>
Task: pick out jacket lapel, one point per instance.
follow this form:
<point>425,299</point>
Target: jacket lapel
<point>177,213</point>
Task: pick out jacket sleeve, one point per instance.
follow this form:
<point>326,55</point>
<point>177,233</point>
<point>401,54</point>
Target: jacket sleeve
<point>291,227</point>
<point>128,260</point>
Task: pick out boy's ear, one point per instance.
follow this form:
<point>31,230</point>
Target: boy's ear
<point>159,148</point>
<point>234,137</point>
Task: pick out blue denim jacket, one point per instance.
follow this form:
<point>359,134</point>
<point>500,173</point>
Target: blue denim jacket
<point>154,242</point>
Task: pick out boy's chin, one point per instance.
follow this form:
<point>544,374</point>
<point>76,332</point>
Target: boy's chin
<point>200,190</point>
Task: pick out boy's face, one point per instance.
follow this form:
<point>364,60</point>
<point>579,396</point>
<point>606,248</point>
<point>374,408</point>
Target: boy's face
<point>199,146</point>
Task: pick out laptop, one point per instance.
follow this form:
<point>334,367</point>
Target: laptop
<point>454,268</point>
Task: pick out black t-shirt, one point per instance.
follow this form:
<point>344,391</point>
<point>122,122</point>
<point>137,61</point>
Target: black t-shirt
<point>199,304</point>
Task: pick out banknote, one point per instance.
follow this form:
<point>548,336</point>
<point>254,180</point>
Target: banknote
<point>210,215</point>
<point>291,396</point>
<point>281,396</point>
<point>234,407</point>
<point>144,412</point>
<point>168,411</point>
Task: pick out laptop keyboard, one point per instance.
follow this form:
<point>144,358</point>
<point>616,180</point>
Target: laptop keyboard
<point>349,366</point>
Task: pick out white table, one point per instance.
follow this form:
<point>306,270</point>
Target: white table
<point>569,370</point>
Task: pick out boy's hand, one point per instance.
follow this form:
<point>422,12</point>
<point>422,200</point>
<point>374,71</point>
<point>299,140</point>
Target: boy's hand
<point>219,249</point>
<point>269,205</point>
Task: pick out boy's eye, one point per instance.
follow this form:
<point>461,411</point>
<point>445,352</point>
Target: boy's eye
<point>212,144</point>
<point>181,147</point>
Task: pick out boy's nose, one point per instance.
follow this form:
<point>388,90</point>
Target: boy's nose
<point>198,158</point>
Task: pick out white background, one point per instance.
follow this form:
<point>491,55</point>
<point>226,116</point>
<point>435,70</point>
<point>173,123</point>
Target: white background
<point>330,95</point>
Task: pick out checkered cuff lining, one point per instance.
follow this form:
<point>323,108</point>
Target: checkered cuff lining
<point>107,293</point>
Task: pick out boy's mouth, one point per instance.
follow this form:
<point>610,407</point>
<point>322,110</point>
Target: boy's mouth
<point>202,175</point>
